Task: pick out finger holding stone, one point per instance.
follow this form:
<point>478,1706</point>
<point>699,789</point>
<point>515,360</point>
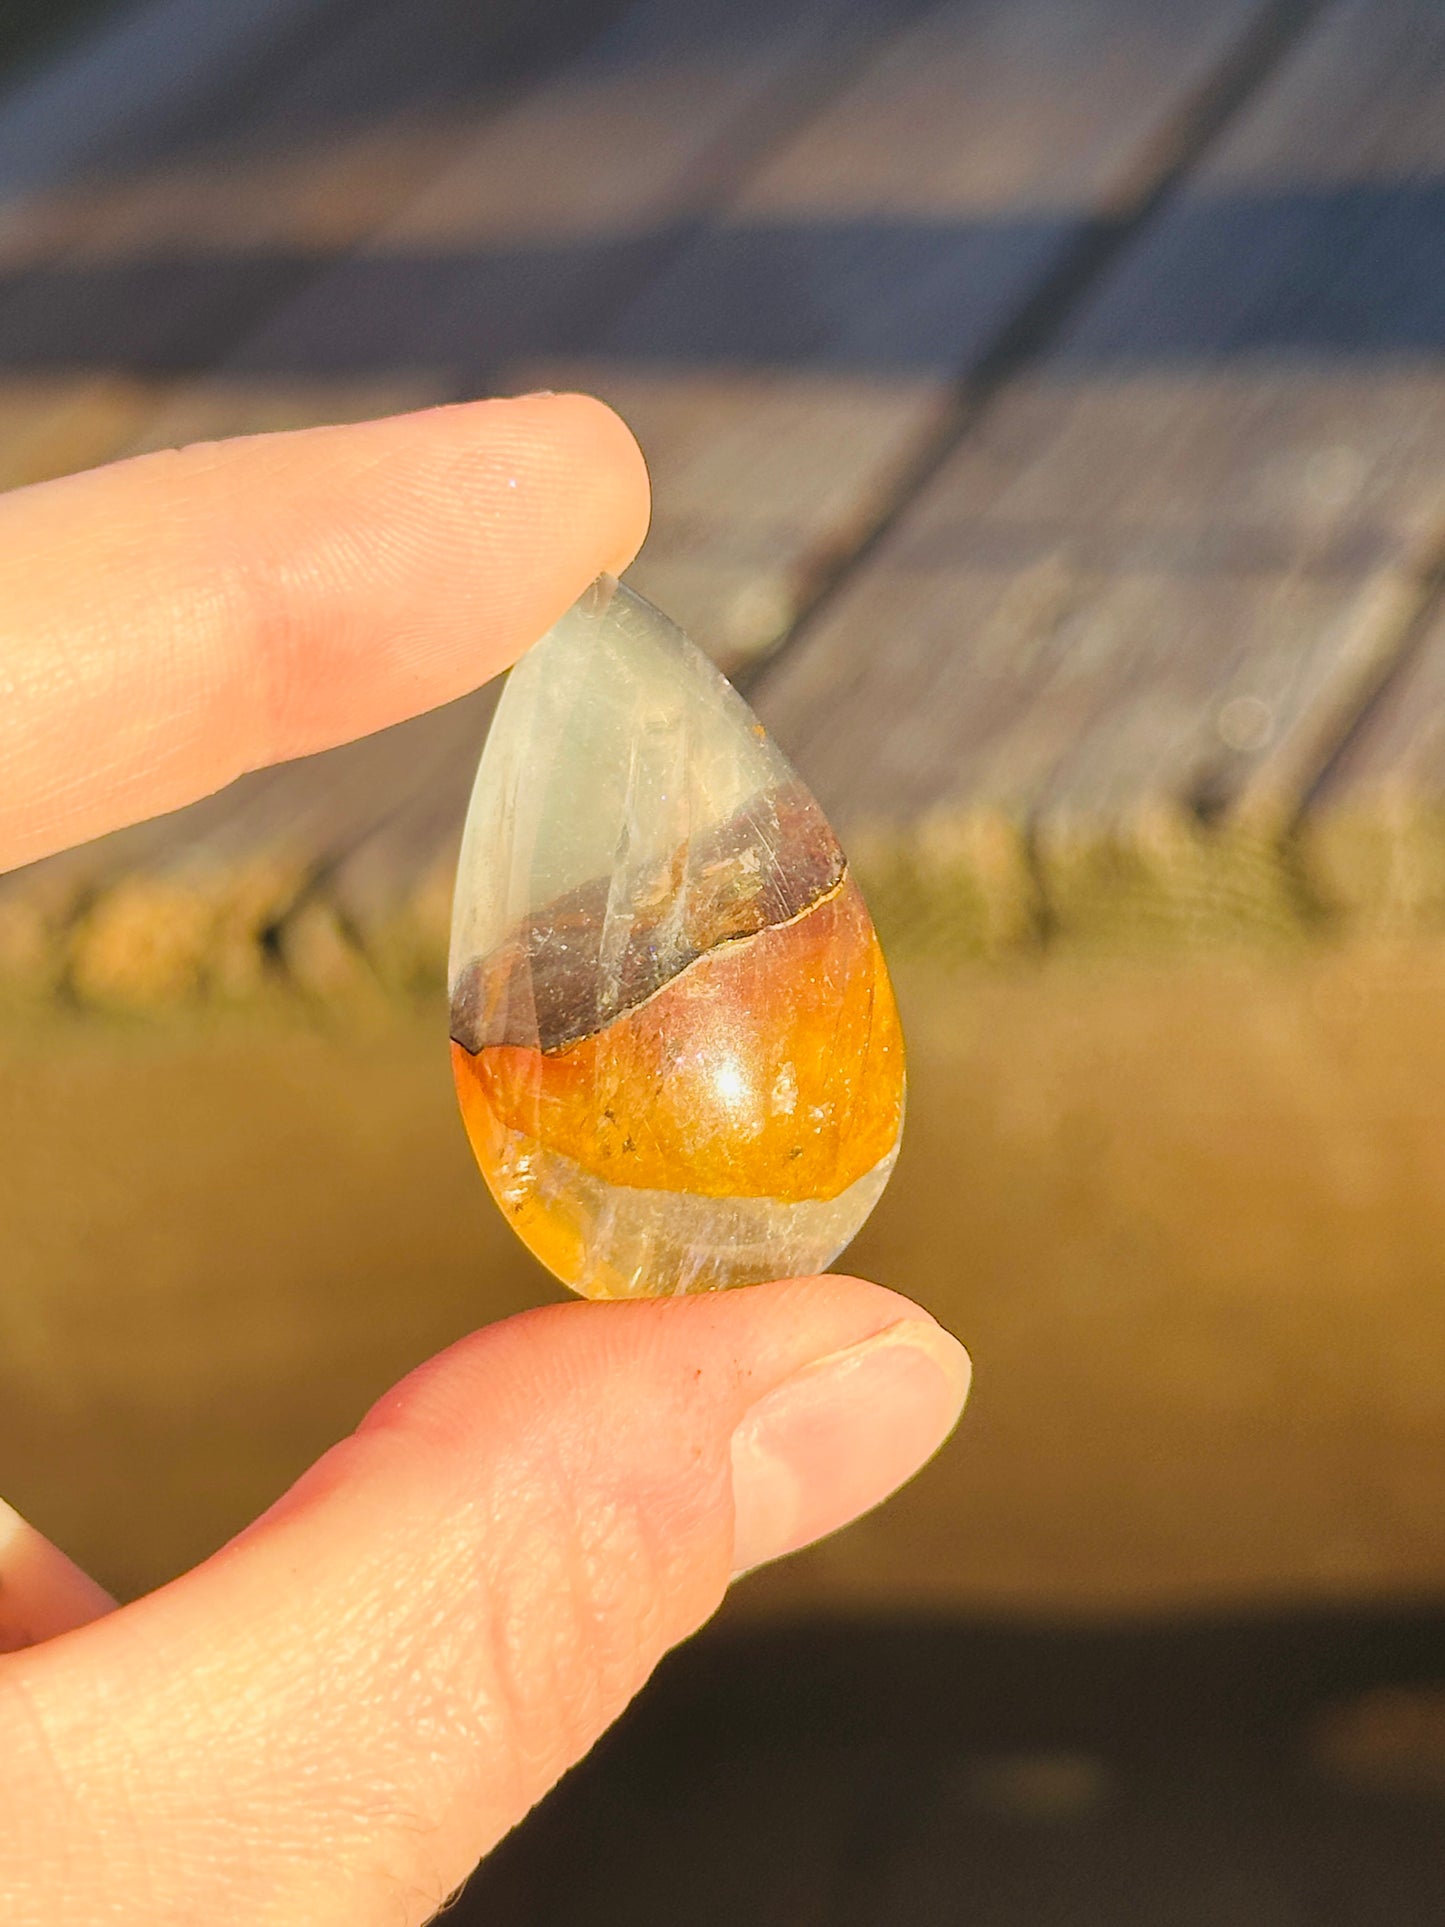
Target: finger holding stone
<point>171,621</point>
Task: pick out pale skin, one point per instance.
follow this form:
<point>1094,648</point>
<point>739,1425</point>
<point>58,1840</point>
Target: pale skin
<point>333,1718</point>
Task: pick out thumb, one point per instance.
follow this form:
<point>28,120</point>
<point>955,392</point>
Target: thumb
<point>333,1718</point>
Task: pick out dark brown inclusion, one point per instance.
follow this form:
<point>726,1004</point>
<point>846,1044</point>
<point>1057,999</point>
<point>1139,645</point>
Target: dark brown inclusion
<point>569,969</point>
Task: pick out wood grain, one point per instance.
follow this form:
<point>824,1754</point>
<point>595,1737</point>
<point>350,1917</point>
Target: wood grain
<point>1157,562</point>
<point>1082,683</point>
<point>1374,838</point>
<point>547,218</point>
<point>178,236</point>
<point>128,75</point>
<point>785,372</point>
<point>202,892</point>
<point>288,843</point>
<point>763,469</point>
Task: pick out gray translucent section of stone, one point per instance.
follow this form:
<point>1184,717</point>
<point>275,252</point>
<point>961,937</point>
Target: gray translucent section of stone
<point>639,1243</point>
<point>622,779</point>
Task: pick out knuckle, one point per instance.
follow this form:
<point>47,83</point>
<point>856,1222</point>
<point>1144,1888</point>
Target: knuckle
<point>579,1622</point>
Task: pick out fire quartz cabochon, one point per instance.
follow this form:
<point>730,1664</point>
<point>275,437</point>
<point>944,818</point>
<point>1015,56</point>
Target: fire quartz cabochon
<point>674,1038</point>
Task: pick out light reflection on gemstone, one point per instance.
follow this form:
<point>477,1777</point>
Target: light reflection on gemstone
<point>675,1042</point>
<point>729,1082</point>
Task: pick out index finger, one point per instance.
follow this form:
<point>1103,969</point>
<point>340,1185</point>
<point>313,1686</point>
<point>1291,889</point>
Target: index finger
<point>175,620</point>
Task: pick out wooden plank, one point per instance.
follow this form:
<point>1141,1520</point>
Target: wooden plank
<point>621,142</point>
<point>115,103</point>
<point>1373,842</point>
<point>57,424</point>
<point>216,901</point>
<point>154,267</point>
<point>1115,613</point>
<point>784,376</point>
<point>1111,134</point>
<point>419,85</point>
<point>57,194</point>
<point>1399,752</point>
<point>684,104</point>
<point>546,222</point>
<point>983,72</point>
<point>132,71</point>
<point>763,473</point>
<point>312,151</point>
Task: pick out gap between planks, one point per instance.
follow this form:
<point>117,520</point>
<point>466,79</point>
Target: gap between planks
<point>1026,337</point>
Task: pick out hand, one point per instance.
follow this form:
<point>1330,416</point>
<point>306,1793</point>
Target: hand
<point>334,1717</point>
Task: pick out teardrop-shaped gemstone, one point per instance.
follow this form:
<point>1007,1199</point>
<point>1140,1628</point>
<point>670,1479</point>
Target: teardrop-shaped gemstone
<point>674,1037</point>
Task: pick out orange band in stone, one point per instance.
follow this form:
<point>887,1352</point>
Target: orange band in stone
<point>770,1067</point>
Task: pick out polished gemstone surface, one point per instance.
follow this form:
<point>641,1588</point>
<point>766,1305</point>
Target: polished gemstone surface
<point>674,1038</point>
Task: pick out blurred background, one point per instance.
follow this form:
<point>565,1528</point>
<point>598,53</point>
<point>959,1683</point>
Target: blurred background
<point>1046,407</point>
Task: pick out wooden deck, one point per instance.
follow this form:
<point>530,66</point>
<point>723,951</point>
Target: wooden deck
<point>1045,402</point>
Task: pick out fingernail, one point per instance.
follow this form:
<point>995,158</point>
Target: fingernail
<point>840,1435</point>
<point>41,1592</point>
